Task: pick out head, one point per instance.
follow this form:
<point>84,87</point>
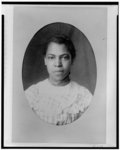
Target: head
<point>59,54</point>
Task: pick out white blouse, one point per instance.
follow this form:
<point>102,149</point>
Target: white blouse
<point>58,105</point>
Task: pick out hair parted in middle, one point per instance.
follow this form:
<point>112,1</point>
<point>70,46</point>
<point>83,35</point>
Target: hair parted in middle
<point>61,39</point>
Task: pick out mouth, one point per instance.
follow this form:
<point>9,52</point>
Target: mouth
<point>58,71</point>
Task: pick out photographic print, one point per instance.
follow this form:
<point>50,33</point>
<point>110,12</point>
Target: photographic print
<point>57,99</point>
<point>59,64</point>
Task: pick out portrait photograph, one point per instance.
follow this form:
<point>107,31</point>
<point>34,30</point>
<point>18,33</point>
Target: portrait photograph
<point>60,75</point>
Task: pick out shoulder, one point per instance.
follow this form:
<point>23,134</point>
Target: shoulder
<point>33,90</point>
<point>80,89</point>
<point>84,96</point>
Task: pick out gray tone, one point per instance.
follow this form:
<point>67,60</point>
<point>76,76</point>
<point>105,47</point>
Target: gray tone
<point>91,127</point>
<point>83,69</point>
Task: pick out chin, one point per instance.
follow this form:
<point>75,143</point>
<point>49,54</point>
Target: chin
<point>58,79</point>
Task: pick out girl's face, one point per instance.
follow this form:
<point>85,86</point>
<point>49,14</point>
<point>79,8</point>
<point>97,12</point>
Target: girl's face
<point>58,61</point>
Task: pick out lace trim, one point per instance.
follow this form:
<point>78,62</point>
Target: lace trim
<point>56,110</point>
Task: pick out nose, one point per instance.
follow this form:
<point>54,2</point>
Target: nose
<point>58,63</point>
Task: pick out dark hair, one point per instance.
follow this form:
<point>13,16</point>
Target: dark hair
<point>61,39</point>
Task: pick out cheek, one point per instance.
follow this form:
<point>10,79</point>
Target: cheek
<point>67,66</point>
<point>49,66</point>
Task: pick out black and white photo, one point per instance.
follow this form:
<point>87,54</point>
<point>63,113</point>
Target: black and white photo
<point>60,75</point>
<point>58,99</point>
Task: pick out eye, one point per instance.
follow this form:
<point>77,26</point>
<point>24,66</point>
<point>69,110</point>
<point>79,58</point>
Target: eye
<point>51,57</point>
<point>66,57</point>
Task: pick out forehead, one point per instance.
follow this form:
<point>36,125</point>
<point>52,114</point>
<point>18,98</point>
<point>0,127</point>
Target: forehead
<point>57,49</point>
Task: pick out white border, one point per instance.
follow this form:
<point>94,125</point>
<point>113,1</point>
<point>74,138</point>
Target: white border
<point>8,67</point>
<point>111,79</point>
<point>111,75</point>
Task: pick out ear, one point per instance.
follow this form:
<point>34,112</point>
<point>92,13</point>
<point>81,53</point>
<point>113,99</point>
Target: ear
<point>45,60</point>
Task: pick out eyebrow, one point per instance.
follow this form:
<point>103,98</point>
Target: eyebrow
<point>58,55</point>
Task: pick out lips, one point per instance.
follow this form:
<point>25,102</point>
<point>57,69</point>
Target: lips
<point>58,71</point>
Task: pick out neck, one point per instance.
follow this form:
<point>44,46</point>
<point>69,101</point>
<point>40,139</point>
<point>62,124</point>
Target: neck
<point>63,82</point>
